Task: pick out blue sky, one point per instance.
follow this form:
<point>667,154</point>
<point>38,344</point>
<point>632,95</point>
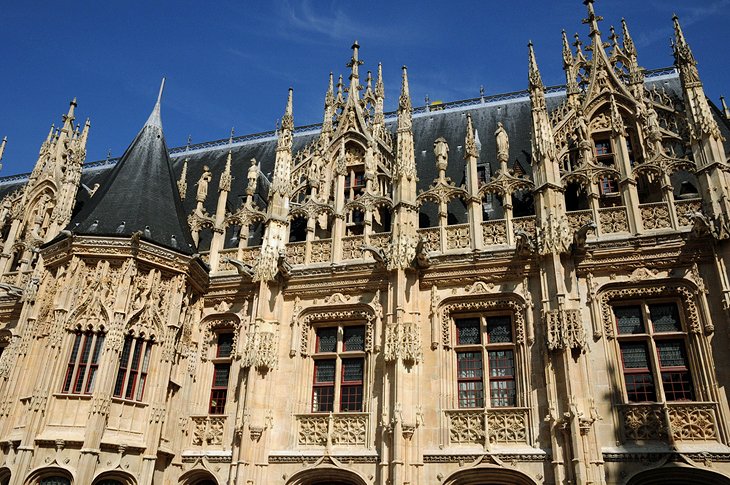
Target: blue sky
<point>229,64</point>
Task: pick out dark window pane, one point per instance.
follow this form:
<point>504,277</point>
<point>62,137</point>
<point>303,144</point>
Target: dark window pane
<point>502,393</point>
<point>640,387</point>
<point>468,331</point>
<point>501,363</point>
<point>220,375</point>
<point>324,371</point>
<point>327,339</point>
<point>352,370</point>
<point>677,386</point>
<point>469,365</point>
<point>97,349</point>
<point>499,330</point>
<point>471,394</point>
<point>323,399</point>
<point>634,355</point>
<point>218,401</point>
<point>665,317</point>
<point>351,398</point>
<point>628,320</point>
<point>353,339</point>
<point>225,345</point>
<point>671,353</point>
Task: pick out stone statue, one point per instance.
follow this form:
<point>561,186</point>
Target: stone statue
<point>313,173</point>
<point>502,143</point>
<point>441,151</point>
<point>581,129</point>
<point>253,175</point>
<point>203,184</point>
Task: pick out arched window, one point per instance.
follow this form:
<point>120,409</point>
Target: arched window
<point>133,366</point>
<point>83,362</point>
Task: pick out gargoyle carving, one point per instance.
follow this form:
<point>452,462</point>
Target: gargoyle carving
<point>581,235</point>
<point>243,268</point>
<point>525,246</point>
<point>378,253</point>
<point>283,265</point>
<point>422,261</point>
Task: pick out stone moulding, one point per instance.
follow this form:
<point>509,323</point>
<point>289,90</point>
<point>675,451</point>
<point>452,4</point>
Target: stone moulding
<point>497,301</point>
<point>660,288</point>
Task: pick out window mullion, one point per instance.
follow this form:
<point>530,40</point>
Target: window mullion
<point>338,383</point>
<point>89,360</point>
<point>130,362</point>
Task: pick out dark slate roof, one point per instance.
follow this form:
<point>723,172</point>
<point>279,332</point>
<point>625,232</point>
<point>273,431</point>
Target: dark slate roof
<point>429,123</point>
<point>138,194</point>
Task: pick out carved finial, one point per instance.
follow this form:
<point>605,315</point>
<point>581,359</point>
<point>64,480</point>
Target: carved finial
<point>683,57</point>
<point>339,100</point>
<point>2,149</point>
<point>481,91</point>
<point>85,132</point>
<point>470,145</point>
<point>70,115</point>
<point>617,121</point>
<point>613,37</point>
<point>578,44</point>
<point>629,46</point>
<point>224,184</point>
<point>725,111</point>
<point>379,88</point>
<point>329,98</point>
<point>369,82</point>
<point>49,139</point>
<point>592,19</point>
<point>404,102</point>
<point>187,146</point>
<point>230,138</point>
<point>534,73</point>
<point>287,121</point>
<point>354,63</point>
<point>567,51</point>
<point>182,184</point>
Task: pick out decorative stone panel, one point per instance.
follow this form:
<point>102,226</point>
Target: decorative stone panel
<point>494,232</point>
<point>321,251</point>
<point>578,219</point>
<point>684,207</point>
<point>341,429</point>
<point>525,224</point>
<point>613,220</point>
<point>295,252</point>
<point>564,329</point>
<point>403,341</point>
<point>207,429</point>
<point>503,425</point>
<point>351,247</point>
<point>432,239</point>
<point>655,215</point>
<point>457,237</point>
<point>688,421</point>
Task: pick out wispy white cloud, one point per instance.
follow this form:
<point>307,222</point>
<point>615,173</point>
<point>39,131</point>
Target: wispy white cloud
<point>689,14</point>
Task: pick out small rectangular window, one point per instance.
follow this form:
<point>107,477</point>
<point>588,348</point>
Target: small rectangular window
<point>468,331</point>
<point>83,363</point>
<point>133,366</point>
<point>225,345</point>
<point>326,340</point>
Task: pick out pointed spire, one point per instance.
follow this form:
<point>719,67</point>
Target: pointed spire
<point>155,119</point>
<point>725,111</point>
<point>329,109</point>
<point>49,139</point>
<point>534,73</point>
<point>470,145</point>
<point>144,170</point>
<point>592,21</point>
<point>567,51</point>
<point>379,88</point>
<point>85,132</point>
<point>354,64</point>
<point>683,57</point>
<point>182,184</point>
<point>329,98</point>
<point>287,121</point>
<point>629,46</point>
<point>339,99</point>
<point>404,102</point>
<point>224,185</point>
<point>281,181</point>
<point>2,149</point>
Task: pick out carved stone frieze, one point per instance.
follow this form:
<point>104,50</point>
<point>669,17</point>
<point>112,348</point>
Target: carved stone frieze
<point>510,302</point>
<point>564,329</point>
<point>403,341</point>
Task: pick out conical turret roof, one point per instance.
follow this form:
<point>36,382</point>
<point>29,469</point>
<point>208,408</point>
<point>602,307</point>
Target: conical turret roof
<point>139,195</point>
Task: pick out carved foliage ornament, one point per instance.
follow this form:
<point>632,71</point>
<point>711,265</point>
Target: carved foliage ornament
<point>337,315</point>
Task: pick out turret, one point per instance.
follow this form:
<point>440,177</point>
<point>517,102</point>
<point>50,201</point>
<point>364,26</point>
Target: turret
<point>404,169</point>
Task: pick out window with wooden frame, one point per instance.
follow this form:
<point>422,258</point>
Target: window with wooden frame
<point>485,359</point>
<point>83,363</point>
<point>221,373</point>
<point>133,366</point>
<point>339,369</point>
<point>652,343</point>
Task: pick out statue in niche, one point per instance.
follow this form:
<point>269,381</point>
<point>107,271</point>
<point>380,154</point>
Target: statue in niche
<point>313,178</point>
<point>502,143</point>
<point>253,175</point>
<point>202,184</point>
<point>441,151</point>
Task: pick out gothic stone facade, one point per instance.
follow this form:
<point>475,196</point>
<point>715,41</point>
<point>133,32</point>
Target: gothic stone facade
<point>524,289</point>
